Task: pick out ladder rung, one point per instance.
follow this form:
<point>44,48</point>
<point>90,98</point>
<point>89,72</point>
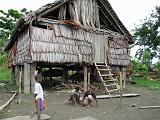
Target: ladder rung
<point>113,90</point>
<point>104,69</point>
<point>111,85</point>
<point>100,65</point>
<point>108,80</point>
<point>105,75</point>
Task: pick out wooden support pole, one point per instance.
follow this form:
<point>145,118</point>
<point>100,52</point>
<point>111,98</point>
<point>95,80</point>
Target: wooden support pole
<point>121,97</point>
<point>12,75</point>
<point>85,78</point>
<point>64,75</point>
<point>27,78</point>
<point>32,74</point>
<point>17,70</point>
<point>124,77</point>
<point>121,84</point>
<point>22,69</point>
<point>89,78</point>
<point>20,87</point>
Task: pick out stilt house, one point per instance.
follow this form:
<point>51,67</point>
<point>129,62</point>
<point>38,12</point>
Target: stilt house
<point>67,33</point>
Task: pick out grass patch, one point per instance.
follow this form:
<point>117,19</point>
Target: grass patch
<point>4,71</point>
<point>4,74</point>
<point>151,84</point>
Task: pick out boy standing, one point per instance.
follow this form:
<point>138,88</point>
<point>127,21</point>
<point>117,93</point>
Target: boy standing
<point>38,95</point>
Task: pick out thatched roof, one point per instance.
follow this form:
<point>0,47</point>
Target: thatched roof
<point>106,11</point>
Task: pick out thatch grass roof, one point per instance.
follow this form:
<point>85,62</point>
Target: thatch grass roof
<point>104,6</point>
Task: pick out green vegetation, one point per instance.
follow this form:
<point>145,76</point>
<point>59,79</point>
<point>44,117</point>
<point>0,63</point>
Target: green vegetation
<point>147,36</point>
<point>4,72</point>
<point>7,23</point>
<point>151,84</point>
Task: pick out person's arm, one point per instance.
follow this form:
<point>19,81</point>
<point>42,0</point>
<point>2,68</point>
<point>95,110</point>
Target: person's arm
<point>36,90</point>
<point>35,96</point>
<point>74,100</point>
<point>96,102</point>
<point>95,97</point>
<point>85,94</point>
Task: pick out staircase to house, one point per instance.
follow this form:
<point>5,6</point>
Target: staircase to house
<point>104,72</point>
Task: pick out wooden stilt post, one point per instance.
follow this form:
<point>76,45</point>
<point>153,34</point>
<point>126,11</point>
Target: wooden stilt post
<point>22,69</point>
<point>20,87</point>
<point>124,77</point>
<point>85,78</point>
<point>89,78</point>
<point>27,78</point>
<point>32,74</point>
<point>12,75</point>
<point>121,84</point>
<point>64,75</point>
<point>121,97</point>
<point>17,70</point>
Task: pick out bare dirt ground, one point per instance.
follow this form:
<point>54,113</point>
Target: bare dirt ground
<point>4,97</point>
<point>109,109</point>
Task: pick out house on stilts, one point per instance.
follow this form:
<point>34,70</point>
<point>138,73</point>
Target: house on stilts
<point>69,34</point>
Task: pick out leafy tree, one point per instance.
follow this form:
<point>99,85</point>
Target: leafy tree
<point>138,67</point>
<point>147,36</point>
<point>7,23</point>
<point>157,66</point>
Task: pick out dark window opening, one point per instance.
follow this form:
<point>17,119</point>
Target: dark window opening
<point>53,15</point>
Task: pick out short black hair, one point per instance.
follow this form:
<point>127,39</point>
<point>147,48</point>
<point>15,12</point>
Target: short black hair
<point>77,88</point>
<point>38,77</point>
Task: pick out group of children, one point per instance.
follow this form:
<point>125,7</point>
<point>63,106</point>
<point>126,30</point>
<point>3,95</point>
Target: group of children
<point>88,98</point>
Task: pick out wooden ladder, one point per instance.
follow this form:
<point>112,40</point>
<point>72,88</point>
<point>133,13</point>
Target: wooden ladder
<point>106,77</point>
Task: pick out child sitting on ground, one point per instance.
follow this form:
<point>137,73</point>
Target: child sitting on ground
<point>89,97</point>
<point>75,95</point>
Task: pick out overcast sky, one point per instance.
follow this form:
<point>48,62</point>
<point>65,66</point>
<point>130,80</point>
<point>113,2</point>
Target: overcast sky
<point>130,12</point>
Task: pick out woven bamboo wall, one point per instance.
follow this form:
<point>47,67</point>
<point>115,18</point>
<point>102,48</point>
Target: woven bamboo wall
<point>118,53</point>
<point>67,44</point>
<point>22,50</point>
<point>61,44</point>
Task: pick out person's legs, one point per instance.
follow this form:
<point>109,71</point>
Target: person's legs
<point>77,97</point>
<point>86,102</point>
<point>39,114</point>
<point>39,107</point>
<point>33,113</point>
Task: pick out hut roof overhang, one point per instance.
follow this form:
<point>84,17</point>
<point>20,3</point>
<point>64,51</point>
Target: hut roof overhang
<point>104,6</point>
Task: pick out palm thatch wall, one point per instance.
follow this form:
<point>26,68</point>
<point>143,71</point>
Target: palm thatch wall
<point>65,43</point>
<point>118,53</point>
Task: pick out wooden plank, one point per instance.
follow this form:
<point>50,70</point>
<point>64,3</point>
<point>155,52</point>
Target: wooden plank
<point>117,96</point>
<point>149,107</point>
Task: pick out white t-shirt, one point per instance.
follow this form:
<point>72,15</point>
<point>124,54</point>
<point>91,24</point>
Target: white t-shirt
<point>38,90</point>
<point>75,92</point>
